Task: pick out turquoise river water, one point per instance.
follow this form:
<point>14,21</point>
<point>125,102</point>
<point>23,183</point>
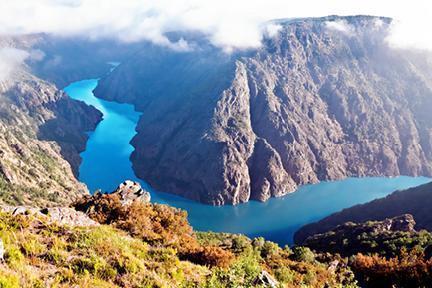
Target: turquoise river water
<point>106,163</point>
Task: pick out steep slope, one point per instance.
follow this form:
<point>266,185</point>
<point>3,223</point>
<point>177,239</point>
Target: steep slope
<point>324,99</point>
<point>42,134</point>
<point>415,201</point>
<point>140,244</point>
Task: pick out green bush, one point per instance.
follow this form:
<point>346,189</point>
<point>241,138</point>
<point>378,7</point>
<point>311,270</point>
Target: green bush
<point>303,254</point>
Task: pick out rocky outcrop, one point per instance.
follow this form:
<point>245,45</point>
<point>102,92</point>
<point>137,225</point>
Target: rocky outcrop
<point>324,99</point>
<point>130,191</point>
<point>414,201</point>
<point>126,193</point>
<point>264,279</point>
<point>59,215</point>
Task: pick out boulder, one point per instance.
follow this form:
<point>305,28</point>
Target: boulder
<point>68,216</point>
<point>130,191</point>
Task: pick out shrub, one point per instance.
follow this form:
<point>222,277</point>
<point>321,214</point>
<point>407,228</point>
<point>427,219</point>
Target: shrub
<point>9,280</point>
<point>408,270</point>
<point>13,256</point>
<point>210,256</point>
<point>303,254</point>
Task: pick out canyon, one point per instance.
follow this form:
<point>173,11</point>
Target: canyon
<point>323,99</point>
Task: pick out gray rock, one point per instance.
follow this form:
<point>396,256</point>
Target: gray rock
<point>130,191</point>
<point>68,216</point>
<point>264,279</point>
<point>59,215</point>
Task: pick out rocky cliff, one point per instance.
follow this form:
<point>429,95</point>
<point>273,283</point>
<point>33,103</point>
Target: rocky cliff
<point>323,99</point>
<point>42,133</point>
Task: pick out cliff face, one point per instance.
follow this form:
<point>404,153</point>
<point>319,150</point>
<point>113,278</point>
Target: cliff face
<point>322,100</point>
<point>415,201</point>
<point>42,134</point>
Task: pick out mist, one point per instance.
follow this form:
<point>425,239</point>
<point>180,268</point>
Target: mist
<point>227,24</point>
<point>10,59</point>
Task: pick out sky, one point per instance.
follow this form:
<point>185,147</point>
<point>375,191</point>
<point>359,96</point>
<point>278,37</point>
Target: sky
<point>229,24</point>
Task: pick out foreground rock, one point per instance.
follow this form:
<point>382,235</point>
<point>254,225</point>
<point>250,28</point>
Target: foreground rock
<point>125,194</point>
<point>314,103</point>
<point>265,280</point>
<point>130,191</point>
<point>59,215</point>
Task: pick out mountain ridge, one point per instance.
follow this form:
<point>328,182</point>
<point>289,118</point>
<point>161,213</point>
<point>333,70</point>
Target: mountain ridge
<point>414,201</point>
<point>322,100</point>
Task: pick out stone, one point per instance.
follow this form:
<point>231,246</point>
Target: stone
<point>68,216</point>
<point>130,191</point>
<point>59,215</point>
<point>264,279</point>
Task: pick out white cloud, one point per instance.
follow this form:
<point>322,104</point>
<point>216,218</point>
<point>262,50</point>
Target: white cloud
<point>271,29</point>
<point>229,24</point>
<point>36,55</point>
<point>10,59</point>
<point>340,26</point>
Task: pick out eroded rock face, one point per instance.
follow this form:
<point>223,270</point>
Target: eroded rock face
<point>314,103</point>
<point>42,132</point>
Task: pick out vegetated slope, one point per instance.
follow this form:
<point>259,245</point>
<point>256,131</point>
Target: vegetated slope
<point>388,253</point>
<point>121,240</point>
<point>415,201</point>
<point>149,245</point>
<point>323,99</point>
<point>42,133</point>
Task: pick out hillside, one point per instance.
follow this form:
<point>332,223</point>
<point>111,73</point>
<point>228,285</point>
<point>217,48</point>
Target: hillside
<point>42,133</point>
<point>388,253</point>
<point>122,240</point>
<point>415,201</point>
<point>147,245</point>
<point>324,99</point>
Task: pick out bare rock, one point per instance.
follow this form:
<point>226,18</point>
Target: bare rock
<point>130,191</point>
<point>404,223</point>
<point>264,279</point>
<point>59,215</point>
<point>68,216</point>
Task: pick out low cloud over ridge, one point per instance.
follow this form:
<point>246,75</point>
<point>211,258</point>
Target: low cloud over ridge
<point>227,24</point>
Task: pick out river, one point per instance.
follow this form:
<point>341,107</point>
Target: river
<point>106,164</point>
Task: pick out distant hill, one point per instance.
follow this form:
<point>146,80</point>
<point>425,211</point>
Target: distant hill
<point>416,201</point>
